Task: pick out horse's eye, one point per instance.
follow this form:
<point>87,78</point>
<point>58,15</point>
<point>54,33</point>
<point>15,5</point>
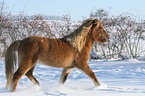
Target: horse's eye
<point>100,27</point>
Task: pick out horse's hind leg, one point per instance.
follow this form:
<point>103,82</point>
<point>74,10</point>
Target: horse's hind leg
<point>24,66</point>
<point>65,74</point>
<point>29,74</point>
<point>86,69</point>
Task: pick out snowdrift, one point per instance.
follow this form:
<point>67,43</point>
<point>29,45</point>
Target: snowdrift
<point>117,78</point>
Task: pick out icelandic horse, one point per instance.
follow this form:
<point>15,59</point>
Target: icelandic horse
<point>71,51</point>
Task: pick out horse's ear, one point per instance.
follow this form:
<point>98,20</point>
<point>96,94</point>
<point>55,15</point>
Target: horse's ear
<point>95,22</point>
<point>91,21</point>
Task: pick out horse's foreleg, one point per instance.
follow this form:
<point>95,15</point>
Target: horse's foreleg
<point>86,69</point>
<point>65,74</point>
<point>29,74</point>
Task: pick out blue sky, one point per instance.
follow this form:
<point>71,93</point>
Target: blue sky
<point>76,8</point>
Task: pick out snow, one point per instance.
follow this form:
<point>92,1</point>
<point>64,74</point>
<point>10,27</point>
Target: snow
<point>117,78</point>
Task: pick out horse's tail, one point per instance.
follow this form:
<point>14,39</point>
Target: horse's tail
<point>10,61</point>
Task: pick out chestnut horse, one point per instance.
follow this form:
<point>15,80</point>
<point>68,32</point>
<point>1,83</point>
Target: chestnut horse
<point>71,51</point>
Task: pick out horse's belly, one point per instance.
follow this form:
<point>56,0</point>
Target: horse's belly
<point>60,62</point>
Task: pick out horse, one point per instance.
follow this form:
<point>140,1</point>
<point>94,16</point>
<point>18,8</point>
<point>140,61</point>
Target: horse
<point>69,52</point>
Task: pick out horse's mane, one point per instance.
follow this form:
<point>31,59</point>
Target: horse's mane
<point>78,38</point>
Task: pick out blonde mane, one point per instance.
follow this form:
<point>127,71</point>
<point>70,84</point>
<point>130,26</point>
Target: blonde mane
<point>78,38</point>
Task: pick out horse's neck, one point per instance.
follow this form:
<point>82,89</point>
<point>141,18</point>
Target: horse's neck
<point>89,43</point>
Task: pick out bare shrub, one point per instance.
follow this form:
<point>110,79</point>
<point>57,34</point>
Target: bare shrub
<point>13,28</point>
<point>126,38</point>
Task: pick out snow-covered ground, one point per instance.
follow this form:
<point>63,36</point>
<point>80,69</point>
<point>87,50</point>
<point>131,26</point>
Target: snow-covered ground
<point>117,78</point>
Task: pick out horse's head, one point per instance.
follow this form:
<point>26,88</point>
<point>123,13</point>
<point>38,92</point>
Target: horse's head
<point>97,31</point>
<point>90,27</point>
